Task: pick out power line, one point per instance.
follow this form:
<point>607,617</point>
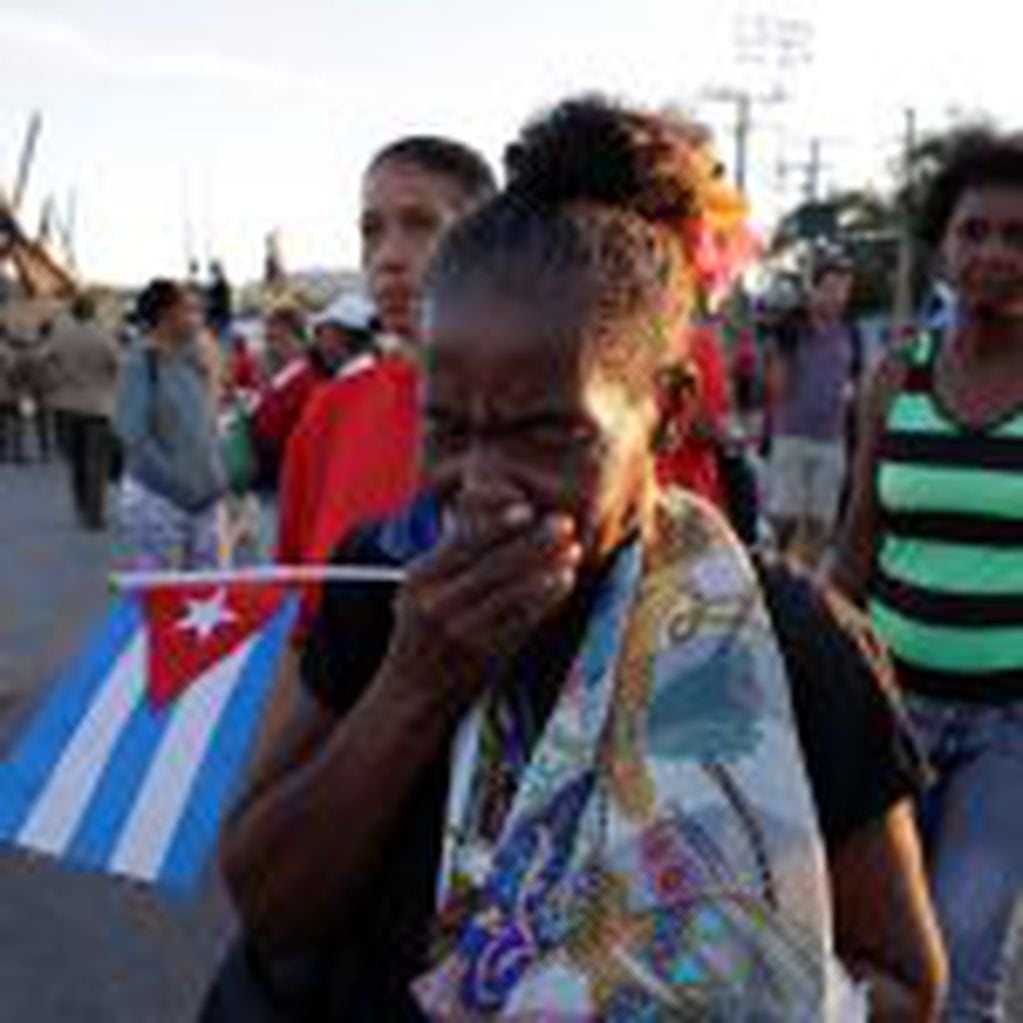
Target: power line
<point>774,47</point>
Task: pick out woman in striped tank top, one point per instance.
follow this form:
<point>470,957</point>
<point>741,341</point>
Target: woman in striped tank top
<point>933,542</point>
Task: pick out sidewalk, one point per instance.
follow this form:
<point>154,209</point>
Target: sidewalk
<point>77,948</point>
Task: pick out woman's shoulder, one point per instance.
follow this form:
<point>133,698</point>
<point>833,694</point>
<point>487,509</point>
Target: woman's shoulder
<point>886,381</point>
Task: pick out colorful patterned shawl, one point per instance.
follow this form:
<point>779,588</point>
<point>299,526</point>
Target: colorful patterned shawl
<point>661,857</point>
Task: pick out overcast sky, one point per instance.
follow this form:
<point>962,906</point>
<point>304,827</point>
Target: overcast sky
<point>205,123</point>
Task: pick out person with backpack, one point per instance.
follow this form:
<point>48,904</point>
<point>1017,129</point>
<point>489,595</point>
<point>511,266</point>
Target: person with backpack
<point>813,364</point>
<point>170,510</point>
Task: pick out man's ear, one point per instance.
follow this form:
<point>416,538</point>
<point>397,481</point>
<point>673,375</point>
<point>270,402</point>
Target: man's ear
<point>679,390</point>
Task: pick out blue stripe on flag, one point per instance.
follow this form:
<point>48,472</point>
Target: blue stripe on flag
<point>225,757</point>
<point>42,744</point>
<point>123,776</point>
<point>11,794</point>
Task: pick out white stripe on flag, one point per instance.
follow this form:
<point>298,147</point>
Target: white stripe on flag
<point>66,795</point>
<point>163,797</point>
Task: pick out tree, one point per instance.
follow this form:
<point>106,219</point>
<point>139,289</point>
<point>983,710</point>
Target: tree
<point>862,224</point>
<point>868,225</point>
<point>828,222</point>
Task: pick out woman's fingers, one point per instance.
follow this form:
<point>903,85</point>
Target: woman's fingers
<point>545,549</point>
<point>467,606</point>
<point>503,621</point>
<point>464,543</point>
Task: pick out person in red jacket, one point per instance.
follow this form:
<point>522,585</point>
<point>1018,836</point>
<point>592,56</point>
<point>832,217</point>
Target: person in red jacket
<point>284,336</point>
<point>244,375</point>
<point>353,457</point>
<point>341,332</point>
<point>353,454</point>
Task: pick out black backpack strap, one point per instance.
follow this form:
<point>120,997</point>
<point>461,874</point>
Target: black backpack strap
<point>857,363</point>
<point>739,489</point>
<point>786,598</point>
<point>152,359</point>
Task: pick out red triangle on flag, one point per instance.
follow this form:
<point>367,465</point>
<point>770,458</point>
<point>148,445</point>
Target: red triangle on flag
<point>191,627</point>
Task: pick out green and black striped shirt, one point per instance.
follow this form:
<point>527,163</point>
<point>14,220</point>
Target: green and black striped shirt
<point>947,589</point>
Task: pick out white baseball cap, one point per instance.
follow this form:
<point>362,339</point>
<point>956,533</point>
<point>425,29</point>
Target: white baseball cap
<point>350,310</point>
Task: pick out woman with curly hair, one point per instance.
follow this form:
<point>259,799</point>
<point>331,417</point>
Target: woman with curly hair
<point>569,769</point>
<point>934,541</point>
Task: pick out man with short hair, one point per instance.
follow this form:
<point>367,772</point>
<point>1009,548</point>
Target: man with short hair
<point>812,367</point>
<point>83,362</point>
<point>353,455</point>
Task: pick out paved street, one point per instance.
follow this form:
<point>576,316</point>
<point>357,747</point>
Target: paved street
<point>77,948</point>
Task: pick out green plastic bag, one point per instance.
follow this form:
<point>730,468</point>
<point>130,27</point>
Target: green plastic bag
<point>239,452</point>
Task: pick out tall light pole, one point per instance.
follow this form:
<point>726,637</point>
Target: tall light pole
<point>742,126</point>
<point>902,313</point>
<point>771,47</point>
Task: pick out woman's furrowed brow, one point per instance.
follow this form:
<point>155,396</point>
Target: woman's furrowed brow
<point>523,417</point>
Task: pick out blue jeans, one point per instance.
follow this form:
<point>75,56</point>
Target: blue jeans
<point>972,824</point>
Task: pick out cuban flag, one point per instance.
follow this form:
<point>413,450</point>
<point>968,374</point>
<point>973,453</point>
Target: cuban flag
<point>131,761</point>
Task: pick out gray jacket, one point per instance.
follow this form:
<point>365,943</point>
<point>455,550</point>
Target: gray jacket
<point>82,369</point>
<point>167,423</point>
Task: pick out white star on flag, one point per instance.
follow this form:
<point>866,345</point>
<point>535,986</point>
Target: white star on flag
<point>204,617</point>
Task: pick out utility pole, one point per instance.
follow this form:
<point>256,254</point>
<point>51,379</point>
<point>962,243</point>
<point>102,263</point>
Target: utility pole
<point>809,173</point>
<point>743,126</point>
<point>187,229</point>
<point>814,169</point>
<point>768,50</point>
<point>902,312</point>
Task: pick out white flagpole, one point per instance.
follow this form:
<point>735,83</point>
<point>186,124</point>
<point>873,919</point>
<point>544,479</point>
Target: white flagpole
<point>284,574</point>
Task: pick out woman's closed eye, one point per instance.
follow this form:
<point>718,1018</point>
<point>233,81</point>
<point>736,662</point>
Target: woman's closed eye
<point>556,432</point>
<point>542,432</point>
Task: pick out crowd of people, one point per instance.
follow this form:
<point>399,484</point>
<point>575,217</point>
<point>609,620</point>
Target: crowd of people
<point>24,405</point>
<point>59,383</point>
<point>702,696</point>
